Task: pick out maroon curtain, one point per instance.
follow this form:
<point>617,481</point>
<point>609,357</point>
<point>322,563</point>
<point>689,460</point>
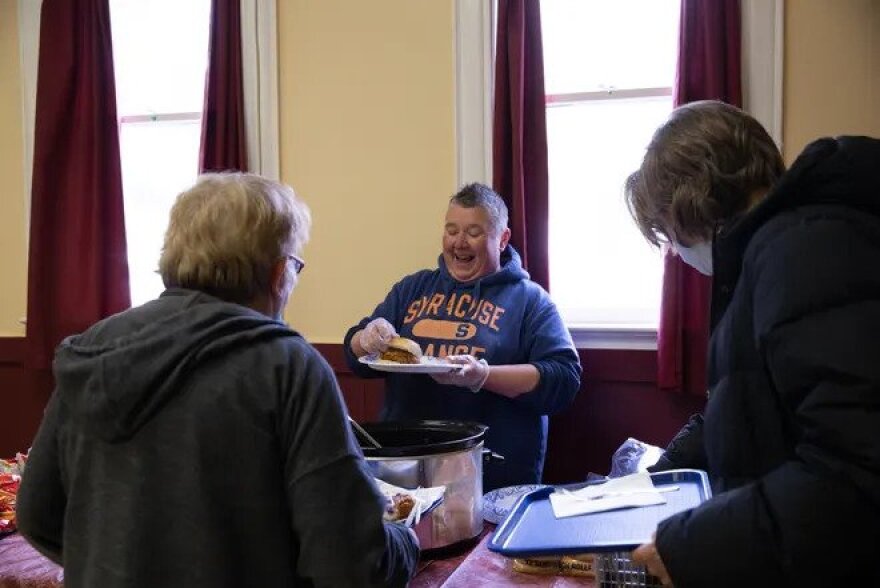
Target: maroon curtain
<point>78,268</point>
<point>708,68</point>
<point>224,144</point>
<point>519,151</point>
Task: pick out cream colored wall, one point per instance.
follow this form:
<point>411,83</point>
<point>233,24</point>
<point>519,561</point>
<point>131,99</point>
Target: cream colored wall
<point>367,135</point>
<point>831,71</point>
<point>368,141</point>
<point>13,243</point>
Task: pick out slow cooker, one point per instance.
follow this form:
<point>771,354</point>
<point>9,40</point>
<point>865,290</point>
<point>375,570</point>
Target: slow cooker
<point>435,453</point>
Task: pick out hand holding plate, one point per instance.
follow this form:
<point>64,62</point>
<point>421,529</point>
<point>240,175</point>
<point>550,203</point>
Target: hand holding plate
<point>472,376</point>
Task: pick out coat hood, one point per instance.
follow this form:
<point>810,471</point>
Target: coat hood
<point>114,377</point>
<point>841,171</point>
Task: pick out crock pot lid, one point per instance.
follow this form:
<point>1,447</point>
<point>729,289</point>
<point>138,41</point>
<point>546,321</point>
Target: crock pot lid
<point>414,438</point>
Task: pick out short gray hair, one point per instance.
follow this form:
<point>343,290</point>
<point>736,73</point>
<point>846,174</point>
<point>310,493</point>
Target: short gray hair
<point>226,232</point>
<point>481,195</point>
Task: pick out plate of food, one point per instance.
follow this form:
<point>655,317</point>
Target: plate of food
<point>499,502</point>
<point>405,356</point>
<point>407,506</point>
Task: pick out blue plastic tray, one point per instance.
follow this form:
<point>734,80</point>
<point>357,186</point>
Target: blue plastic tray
<point>531,529</point>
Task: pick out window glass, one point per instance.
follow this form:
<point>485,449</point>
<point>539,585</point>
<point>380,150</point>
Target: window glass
<point>160,54</point>
<point>603,274</point>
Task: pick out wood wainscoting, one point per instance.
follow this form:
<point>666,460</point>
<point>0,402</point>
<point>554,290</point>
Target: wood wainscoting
<point>23,396</point>
<point>618,399</point>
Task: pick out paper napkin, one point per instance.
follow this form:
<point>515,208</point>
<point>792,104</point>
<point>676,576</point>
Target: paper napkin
<point>623,492</point>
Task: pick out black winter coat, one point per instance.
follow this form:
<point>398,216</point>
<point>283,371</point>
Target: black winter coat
<point>791,432</point>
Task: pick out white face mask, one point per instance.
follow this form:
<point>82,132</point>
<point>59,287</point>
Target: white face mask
<point>698,257</point>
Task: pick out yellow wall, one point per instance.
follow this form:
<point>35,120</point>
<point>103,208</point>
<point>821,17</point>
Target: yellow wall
<point>367,135</point>
<point>831,70</point>
<point>368,141</point>
<point>13,243</point>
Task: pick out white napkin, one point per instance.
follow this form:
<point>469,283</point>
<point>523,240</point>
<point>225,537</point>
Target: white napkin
<point>424,498</point>
<point>623,492</point>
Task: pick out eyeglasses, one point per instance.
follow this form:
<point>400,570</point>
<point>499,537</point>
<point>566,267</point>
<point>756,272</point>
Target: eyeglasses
<point>298,263</point>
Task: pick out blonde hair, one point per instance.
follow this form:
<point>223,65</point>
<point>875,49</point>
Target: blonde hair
<point>226,232</point>
<point>700,169</point>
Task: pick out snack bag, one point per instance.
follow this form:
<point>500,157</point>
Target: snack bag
<point>10,479</point>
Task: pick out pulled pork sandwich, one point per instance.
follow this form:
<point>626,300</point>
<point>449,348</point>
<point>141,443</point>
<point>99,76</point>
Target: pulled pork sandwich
<point>399,506</point>
<point>402,350</point>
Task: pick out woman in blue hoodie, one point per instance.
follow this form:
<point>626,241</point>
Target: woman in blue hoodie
<point>479,309</point>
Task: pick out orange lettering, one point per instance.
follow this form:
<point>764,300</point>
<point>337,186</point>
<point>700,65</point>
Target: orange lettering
<point>424,305</point>
<point>435,303</point>
<point>475,351</point>
<point>450,304</point>
<point>475,307</point>
<point>429,350</point>
<point>459,311</point>
<point>461,350</point>
<point>413,311</point>
<point>495,316</point>
<point>486,312</point>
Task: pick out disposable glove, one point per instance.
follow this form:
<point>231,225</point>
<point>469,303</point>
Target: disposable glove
<point>472,376</point>
<point>376,336</point>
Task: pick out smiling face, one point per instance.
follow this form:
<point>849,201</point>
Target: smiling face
<point>471,247</point>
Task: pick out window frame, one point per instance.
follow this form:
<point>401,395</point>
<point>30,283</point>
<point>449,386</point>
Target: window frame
<point>762,65</point>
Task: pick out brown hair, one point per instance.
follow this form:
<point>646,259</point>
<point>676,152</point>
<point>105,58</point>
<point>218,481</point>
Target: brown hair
<point>700,169</point>
<point>227,231</point>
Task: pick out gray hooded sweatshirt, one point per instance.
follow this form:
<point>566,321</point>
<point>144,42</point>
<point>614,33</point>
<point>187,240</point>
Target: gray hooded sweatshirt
<point>193,442</point>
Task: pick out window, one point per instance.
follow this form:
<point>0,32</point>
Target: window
<point>609,68</point>
<point>160,52</point>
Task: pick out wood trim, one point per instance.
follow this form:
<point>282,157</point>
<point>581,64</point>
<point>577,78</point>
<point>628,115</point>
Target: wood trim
<point>334,355</point>
<point>619,365</point>
<point>12,350</point>
<point>600,365</point>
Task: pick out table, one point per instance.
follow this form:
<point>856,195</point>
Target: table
<point>21,566</point>
<point>478,566</point>
<point>468,565</point>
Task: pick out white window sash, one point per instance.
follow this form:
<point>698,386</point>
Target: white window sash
<point>762,52</point>
<point>259,56</point>
<point>29,52</point>
<point>474,66</point>
<point>762,64</point>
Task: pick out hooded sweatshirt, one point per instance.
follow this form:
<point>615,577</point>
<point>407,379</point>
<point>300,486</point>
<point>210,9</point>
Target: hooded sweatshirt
<point>504,318</point>
<point>193,442</point>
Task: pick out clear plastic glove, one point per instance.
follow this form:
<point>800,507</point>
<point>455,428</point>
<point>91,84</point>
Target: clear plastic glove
<point>376,336</point>
<point>472,376</point>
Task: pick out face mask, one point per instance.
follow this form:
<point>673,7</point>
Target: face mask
<point>698,257</point>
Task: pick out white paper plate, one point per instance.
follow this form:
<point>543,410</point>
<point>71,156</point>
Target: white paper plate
<point>428,365</point>
<point>499,502</point>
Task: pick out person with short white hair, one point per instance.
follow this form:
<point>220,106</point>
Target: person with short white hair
<point>198,440</point>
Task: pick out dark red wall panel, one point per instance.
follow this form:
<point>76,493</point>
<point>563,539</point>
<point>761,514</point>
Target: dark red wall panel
<point>23,396</point>
<point>618,399</point>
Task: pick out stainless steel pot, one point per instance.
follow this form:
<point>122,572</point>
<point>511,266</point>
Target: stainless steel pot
<point>435,453</point>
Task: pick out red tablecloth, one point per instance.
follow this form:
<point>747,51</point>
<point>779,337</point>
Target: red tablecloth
<point>485,568</point>
<point>21,566</point>
<point>478,566</point>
